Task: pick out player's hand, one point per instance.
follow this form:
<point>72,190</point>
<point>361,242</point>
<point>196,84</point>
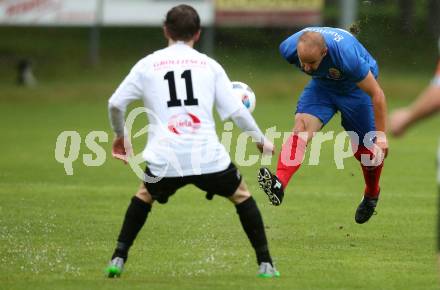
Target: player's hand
<point>266,148</point>
<point>384,147</point>
<point>121,149</point>
<point>399,121</point>
<point>382,144</point>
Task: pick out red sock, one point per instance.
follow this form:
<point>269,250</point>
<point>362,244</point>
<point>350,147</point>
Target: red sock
<point>371,173</point>
<point>290,158</point>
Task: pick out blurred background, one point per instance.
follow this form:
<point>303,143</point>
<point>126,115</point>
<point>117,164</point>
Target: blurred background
<point>101,37</point>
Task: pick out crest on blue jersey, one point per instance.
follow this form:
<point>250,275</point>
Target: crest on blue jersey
<point>334,73</point>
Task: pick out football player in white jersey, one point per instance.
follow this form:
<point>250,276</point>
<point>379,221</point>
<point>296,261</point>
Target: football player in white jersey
<point>179,88</point>
<point>426,104</point>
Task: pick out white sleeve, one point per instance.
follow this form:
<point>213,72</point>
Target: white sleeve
<point>244,120</point>
<point>436,81</point>
<point>128,91</point>
<point>117,121</point>
<point>225,101</point>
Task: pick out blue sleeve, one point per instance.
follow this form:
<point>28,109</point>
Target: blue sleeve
<point>354,66</point>
<point>288,49</point>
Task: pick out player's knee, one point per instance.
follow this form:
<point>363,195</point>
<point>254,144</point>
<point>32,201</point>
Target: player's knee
<point>306,127</point>
<point>301,129</point>
<point>144,195</point>
<point>241,194</point>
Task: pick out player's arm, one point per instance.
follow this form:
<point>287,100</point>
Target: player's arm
<point>121,148</point>
<point>228,106</point>
<point>128,91</point>
<point>370,85</point>
<point>288,49</point>
<point>427,103</point>
<point>244,120</point>
<point>116,117</point>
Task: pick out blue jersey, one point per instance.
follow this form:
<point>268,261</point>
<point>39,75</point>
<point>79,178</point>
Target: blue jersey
<point>346,63</point>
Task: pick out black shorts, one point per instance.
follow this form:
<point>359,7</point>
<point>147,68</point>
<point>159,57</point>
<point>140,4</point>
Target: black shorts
<point>223,183</point>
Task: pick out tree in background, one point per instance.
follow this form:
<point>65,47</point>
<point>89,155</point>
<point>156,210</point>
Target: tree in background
<point>407,15</point>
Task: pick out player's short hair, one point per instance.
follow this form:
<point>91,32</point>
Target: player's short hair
<point>182,22</point>
<point>312,39</point>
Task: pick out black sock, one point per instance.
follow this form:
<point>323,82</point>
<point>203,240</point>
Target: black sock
<point>135,217</point>
<point>252,223</point>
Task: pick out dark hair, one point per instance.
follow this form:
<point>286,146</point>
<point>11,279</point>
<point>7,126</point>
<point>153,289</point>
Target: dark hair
<point>354,29</point>
<point>182,22</point>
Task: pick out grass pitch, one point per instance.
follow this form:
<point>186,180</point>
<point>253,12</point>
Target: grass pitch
<point>58,231</point>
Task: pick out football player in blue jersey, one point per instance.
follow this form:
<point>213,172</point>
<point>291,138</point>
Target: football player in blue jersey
<point>344,78</point>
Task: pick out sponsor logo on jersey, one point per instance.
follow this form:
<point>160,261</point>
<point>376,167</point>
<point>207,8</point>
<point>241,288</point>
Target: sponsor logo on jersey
<point>334,73</point>
<point>184,123</point>
<point>325,30</point>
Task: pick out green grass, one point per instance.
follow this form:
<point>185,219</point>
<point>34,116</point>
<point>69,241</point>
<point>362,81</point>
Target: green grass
<point>58,231</point>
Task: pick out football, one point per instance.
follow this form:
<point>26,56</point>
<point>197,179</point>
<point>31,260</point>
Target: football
<point>245,94</point>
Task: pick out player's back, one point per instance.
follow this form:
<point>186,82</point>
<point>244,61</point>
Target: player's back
<point>180,87</point>
<point>347,61</point>
<point>178,80</point>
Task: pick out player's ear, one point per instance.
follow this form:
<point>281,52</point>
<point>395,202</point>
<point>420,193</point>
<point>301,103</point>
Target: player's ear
<point>324,52</point>
<point>197,35</point>
<point>165,32</point>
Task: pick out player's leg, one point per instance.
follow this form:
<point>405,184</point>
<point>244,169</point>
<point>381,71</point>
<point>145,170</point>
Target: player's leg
<point>290,158</point>
<point>438,216</point>
<point>314,110</point>
<point>253,225</point>
<point>135,217</point>
<point>358,116</point>
<point>438,203</point>
<point>293,150</point>
<point>229,184</point>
